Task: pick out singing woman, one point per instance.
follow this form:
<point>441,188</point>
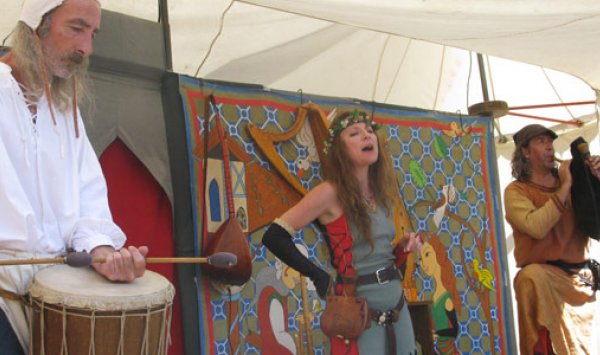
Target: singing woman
<point>355,204</point>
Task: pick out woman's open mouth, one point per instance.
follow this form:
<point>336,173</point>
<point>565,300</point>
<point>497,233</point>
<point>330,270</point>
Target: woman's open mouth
<point>368,148</point>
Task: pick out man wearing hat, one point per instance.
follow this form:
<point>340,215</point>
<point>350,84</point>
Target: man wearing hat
<point>52,192</point>
<point>552,288</point>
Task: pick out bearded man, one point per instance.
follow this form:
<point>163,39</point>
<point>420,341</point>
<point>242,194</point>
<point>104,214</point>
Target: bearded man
<point>53,195</point>
<point>554,287</point>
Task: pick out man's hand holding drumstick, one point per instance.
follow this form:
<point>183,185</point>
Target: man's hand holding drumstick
<point>123,265</point>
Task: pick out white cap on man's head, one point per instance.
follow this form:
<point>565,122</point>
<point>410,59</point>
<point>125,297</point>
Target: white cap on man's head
<point>34,10</point>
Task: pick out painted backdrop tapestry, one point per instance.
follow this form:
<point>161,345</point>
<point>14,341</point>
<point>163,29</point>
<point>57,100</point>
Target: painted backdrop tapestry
<point>447,175</point>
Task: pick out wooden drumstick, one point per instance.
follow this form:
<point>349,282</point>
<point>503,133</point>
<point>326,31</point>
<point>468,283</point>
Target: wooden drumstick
<point>33,261</point>
<point>78,259</point>
<point>221,259</point>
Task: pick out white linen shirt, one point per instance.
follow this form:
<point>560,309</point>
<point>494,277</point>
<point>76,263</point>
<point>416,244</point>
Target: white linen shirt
<point>53,194</point>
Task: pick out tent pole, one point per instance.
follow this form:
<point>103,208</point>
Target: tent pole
<point>163,11</point>
<point>482,76</point>
<point>486,97</point>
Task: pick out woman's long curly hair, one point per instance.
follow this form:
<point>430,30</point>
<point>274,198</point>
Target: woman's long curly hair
<point>382,180</point>
<point>30,63</point>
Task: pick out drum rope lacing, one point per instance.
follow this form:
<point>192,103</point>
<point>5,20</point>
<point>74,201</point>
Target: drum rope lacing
<point>163,343</point>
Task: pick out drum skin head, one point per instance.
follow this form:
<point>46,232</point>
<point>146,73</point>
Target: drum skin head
<point>85,288</point>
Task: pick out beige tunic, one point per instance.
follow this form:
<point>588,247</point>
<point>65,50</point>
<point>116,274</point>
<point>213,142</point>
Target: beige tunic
<point>543,228</point>
<point>547,297</point>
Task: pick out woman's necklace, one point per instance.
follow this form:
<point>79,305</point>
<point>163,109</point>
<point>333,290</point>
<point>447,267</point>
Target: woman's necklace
<point>370,202</point>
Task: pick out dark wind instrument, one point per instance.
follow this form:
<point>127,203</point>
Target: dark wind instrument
<point>585,191</point>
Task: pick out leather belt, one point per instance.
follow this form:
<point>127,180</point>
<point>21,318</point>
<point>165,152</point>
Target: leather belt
<point>574,268</point>
<point>567,266</point>
<point>387,319</point>
<point>381,276</point>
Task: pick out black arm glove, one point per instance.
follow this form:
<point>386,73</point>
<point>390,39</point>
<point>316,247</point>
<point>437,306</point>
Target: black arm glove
<point>280,243</point>
<point>450,332</point>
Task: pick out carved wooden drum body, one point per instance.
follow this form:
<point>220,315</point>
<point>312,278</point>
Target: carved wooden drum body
<point>77,311</point>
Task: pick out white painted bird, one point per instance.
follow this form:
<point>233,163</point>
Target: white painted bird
<point>448,196</point>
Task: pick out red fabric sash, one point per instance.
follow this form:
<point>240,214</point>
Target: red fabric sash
<point>340,244</point>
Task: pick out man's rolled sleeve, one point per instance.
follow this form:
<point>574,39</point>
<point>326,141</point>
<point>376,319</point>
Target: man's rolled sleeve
<point>523,215</point>
<point>90,233</point>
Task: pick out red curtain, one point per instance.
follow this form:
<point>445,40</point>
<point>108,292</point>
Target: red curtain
<point>142,209</point>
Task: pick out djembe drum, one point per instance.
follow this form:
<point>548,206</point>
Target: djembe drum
<point>77,311</point>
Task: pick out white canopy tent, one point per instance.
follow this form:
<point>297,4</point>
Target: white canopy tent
<point>397,52</point>
<point>417,53</point>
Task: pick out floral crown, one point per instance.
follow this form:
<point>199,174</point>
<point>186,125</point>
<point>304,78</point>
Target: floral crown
<point>351,118</point>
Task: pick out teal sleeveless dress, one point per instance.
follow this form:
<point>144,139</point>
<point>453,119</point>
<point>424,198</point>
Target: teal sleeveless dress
<point>381,297</point>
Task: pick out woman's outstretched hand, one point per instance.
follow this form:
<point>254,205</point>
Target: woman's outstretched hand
<point>411,242</point>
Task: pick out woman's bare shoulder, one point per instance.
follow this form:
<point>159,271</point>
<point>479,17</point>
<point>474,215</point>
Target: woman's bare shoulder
<point>326,189</point>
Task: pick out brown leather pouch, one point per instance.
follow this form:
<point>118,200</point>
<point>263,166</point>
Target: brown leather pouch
<point>345,316</point>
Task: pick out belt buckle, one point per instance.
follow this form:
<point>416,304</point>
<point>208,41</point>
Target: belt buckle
<point>379,280</point>
<point>382,319</point>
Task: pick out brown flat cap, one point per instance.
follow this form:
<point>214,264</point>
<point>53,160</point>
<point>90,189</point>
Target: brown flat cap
<point>523,136</point>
